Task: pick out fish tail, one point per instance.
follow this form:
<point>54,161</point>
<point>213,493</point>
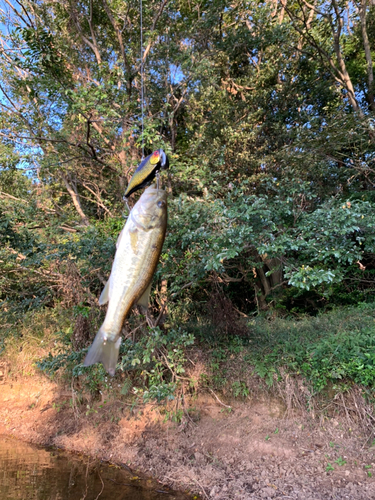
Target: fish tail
<point>104,351</point>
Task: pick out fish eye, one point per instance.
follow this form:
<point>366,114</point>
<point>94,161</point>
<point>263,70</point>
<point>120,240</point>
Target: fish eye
<point>161,203</point>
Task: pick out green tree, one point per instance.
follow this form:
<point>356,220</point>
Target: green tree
<point>266,110</point>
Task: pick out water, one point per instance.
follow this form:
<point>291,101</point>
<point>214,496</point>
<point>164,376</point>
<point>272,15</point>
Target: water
<point>31,473</point>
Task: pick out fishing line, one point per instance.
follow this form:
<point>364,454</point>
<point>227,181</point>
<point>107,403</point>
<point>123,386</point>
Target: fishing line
<point>142,79</point>
<point>142,91</point>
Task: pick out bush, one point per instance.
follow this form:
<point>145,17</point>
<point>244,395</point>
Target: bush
<point>155,363</point>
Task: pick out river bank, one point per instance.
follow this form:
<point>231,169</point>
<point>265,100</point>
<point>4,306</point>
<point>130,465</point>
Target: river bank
<point>250,450</point>
<point>30,471</point>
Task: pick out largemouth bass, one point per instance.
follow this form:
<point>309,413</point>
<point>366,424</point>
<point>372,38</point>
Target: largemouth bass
<point>138,251</point>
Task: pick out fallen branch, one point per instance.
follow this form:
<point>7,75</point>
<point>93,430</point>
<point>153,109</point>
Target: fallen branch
<point>200,486</point>
<point>226,406</point>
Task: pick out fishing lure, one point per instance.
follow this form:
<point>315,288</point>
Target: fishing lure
<point>147,170</point>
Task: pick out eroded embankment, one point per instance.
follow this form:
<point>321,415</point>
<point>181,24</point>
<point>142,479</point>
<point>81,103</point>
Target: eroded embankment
<point>249,451</point>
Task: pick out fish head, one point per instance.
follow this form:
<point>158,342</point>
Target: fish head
<point>150,211</point>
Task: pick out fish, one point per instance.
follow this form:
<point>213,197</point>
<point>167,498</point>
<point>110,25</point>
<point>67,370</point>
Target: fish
<point>146,171</point>
<point>138,250</point>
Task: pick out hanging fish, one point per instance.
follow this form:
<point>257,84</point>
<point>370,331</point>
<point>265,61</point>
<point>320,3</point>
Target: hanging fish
<point>147,170</point>
<point>137,255</point>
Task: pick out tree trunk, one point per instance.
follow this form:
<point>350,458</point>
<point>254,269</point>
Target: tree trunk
<point>76,200</point>
<point>266,284</point>
<point>366,45</point>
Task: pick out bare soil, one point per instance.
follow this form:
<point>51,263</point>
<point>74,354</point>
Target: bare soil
<point>251,451</point>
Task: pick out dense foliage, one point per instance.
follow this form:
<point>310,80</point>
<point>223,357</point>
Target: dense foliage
<point>267,112</point>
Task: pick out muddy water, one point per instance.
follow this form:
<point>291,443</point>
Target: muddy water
<point>31,473</point>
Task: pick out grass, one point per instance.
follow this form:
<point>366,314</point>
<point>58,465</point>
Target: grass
<point>329,354</point>
<point>334,348</point>
<point>32,339</point>
<point>313,363</point>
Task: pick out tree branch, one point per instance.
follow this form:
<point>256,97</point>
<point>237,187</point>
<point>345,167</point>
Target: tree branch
<point>339,72</point>
<point>6,195</point>
<point>121,44</point>
<point>156,18</point>
<point>93,45</point>
<point>366,45</point>
<point>75,198</point>
<point>98,198</point>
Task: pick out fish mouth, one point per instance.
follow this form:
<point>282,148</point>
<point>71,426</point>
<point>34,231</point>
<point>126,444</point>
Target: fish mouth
<point>152,190</point>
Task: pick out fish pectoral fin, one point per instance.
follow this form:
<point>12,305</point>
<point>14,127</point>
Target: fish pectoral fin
<point>145,297</point>
<point>104,296</point>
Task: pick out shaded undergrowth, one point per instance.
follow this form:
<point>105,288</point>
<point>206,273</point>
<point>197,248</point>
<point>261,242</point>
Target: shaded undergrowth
<point>311,363</point>
<point>336,347</point>
<point>304,361</point>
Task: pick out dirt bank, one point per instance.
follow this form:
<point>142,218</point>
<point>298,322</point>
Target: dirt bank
<point>247,452</point>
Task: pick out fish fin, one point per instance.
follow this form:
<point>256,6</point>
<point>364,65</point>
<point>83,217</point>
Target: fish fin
<point>103,351</point>
<point>104,296</point>
<point>145,297</point>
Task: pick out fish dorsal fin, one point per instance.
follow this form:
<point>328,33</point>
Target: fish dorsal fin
<point>143,300</point>
<point>104,296</point>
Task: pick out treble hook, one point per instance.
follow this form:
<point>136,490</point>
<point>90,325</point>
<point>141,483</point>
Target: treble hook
<point>157,179</point>
<point>127,204</point>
